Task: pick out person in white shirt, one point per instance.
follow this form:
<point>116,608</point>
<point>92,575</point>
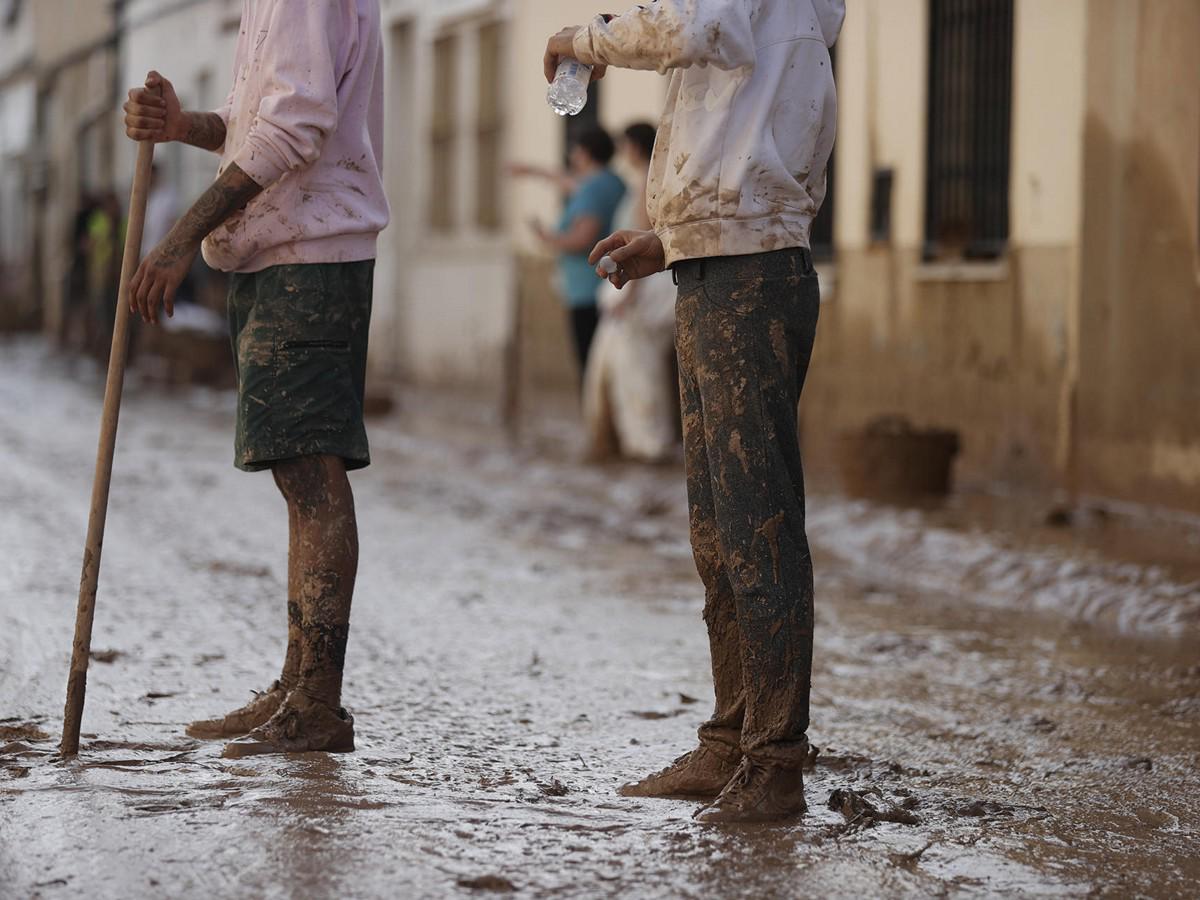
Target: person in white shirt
<point>737,177</point>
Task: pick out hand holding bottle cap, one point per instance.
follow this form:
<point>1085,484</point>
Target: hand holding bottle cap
<point>608,266</point>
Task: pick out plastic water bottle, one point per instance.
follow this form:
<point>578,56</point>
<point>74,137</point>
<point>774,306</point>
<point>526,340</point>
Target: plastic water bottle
<point>567,95</point>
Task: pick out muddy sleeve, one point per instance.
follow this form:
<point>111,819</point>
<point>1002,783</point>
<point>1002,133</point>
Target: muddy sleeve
<point>672,34</point>
<point>299,54</point>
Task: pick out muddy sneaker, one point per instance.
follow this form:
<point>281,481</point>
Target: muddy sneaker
<point>240,721</point>
<point>300,725</point>
<point>700,773</point>
<point>758,793</point>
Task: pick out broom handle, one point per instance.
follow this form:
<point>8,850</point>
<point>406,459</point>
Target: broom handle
<point>86,611</point>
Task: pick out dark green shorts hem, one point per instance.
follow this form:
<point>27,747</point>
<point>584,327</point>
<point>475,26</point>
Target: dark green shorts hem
<point>266,462</point>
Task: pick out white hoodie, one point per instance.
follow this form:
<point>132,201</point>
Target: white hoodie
<point>739,164</point>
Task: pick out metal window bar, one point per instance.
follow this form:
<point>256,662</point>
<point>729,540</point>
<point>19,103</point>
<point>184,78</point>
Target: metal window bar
<point>444,133</point>
<point>969,128</point>
<point>489,128</point>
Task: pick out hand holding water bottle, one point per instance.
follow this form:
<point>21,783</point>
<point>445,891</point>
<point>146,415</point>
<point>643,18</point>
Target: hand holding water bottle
<point>568,77</point>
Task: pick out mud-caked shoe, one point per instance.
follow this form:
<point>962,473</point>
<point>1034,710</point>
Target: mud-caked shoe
<point>700,773</point>
<point>758,792</point>
<point>300,725</point>
<point>240,721</point>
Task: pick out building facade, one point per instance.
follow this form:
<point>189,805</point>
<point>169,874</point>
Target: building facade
<point>1016,252</point>
<point>458,268</point>
<point>1010,249</point>
<point>57,79</point>
<point>191,43</point>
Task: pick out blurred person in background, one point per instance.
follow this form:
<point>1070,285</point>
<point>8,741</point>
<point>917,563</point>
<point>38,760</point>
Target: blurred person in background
<point>105,237</point>
<point>737,177</point>
<point>75,330</point>
<point>592,193</point>
<point>294,214</point>
<point>630,392</point>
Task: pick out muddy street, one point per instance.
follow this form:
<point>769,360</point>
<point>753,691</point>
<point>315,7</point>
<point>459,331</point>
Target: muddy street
<point>526,637</point>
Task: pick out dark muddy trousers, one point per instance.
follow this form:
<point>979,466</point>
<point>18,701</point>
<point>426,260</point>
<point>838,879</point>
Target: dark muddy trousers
<point>745,327</point>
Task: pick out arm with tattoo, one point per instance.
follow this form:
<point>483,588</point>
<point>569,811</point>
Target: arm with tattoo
<point>232,190</point>
<point>164,268</point>
<point>205,130</point>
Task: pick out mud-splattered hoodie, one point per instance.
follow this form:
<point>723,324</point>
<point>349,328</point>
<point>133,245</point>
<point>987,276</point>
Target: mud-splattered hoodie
<point>305,121</point>
<point>739,165</point>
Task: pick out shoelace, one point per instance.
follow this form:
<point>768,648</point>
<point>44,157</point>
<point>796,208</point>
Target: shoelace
<point>281,723</point>
<point>742,781</point>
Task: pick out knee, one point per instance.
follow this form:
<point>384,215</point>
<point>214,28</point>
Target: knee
<point>304,483</point>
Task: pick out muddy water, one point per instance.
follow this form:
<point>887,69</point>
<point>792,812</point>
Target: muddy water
<point>526,635</point>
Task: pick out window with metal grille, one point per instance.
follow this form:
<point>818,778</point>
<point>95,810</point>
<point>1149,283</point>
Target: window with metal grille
<point>970,117</point>
<point>489,128</point>
<point>443,132</point>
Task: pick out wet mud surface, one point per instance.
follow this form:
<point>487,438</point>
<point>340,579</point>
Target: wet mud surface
<point>527,636</point>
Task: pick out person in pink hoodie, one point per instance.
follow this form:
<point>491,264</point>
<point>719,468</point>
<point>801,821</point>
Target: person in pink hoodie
<point>293,215</point>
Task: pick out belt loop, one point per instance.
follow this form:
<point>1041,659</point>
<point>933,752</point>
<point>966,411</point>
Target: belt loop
<point>700,270</point>
<point>675,275</point>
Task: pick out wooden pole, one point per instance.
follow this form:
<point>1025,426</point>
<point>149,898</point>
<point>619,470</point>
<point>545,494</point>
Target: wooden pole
<point>86,611</point>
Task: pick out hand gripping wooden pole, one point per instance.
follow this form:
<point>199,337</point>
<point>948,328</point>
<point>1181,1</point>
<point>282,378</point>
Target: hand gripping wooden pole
<point>86,611</point>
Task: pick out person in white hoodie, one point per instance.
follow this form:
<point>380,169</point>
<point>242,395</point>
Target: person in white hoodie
<point>737,177</point>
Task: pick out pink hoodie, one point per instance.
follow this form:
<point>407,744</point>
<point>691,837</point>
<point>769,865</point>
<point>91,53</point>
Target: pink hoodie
<point>305,121</point>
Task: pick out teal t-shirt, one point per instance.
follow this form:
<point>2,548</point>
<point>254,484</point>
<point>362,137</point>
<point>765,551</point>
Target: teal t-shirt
<point>599,195</point>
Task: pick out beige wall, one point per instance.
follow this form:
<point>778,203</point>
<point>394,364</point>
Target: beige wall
<point>1137,431</point>
<point>979,347</point>
<point>65,27</point>
<point>1072,361</point>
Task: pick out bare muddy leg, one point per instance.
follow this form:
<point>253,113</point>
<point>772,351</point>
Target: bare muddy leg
<point>290,676</point>
<point>322,565</point>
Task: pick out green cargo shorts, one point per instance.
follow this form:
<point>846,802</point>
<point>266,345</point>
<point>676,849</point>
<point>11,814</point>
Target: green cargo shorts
<point>300,347</point>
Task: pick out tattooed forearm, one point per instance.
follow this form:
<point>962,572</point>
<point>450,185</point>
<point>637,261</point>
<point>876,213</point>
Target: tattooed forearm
<point>204,129</point>
<point>229,193</point>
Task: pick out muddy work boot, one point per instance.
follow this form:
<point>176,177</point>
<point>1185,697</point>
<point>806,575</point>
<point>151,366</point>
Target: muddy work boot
<point>700,773</point>
<point>759,792</point>
<point>300,725</point>
<point>240,721</point>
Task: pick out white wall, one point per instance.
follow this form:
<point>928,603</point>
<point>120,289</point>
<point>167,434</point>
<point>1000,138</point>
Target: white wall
<point>193,47</point>
<point>444,302</point>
